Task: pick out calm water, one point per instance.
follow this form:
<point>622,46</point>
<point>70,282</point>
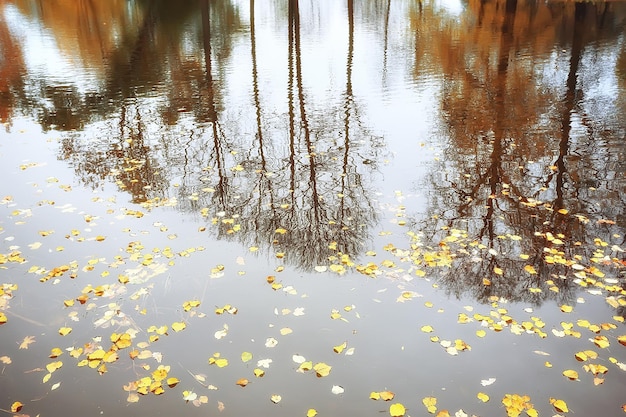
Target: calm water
<point>326,172</point>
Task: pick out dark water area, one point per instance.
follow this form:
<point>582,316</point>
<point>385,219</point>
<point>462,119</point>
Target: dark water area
<point>297,207</point>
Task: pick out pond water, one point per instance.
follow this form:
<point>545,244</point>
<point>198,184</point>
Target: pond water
<point>297,207</point>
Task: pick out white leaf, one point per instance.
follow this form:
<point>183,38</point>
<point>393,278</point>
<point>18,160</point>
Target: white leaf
<point>337,389</point>
<point>264,363</point>
<point>486,382</point>
<point>298,359</point>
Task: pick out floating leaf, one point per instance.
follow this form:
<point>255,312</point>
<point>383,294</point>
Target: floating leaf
<point>340,348</point>
<point>485,382</point>
<point>397,410</point>
<point>64,331</point>
<point>531,412</point>
<point>482,397</point>
<point>298,359</point>
<point>559,405</point>
<point>601,341</point>
<point>336,389</point>
<point>312,412</point>
<point>27,341</point>
<point>264,363</point>
<point>246,357</point>
<point>189,396</point>
<point>178,326</point>
<point>16,407</point>
<point>430,403</point>
<point>386,395</point>
<point>322,369</point>
<point>275,398</point>
<point>530,269</point>
<point>53,366</point>
<point>571,374</point>
<point>427,329</point>
<point>242,382</point>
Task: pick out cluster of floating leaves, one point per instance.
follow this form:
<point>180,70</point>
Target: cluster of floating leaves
<point>141,264</point>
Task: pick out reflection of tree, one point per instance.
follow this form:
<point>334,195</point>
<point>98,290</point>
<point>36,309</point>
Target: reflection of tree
<point>11,72</point>
<point>509,169</point>
<point>311,183</point>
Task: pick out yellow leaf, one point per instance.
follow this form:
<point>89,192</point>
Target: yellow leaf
<point>3,318</point>
<point>481,333</point>
<point>242,382</point>
<point>16,407</point>
<point>110,357</point>
<point>530,269</point>
<point>172,382</point>
<point>221,362</point>
<point>430,403</point>
<point>276,398</point>
<point>246,356</point>
<point>374,395</point>
<point>559,405</point>
<point>312,412</point>
<point>482,397</point>
<point>340,348</point>
<point>427,329</point>
<point>178,326</point>
<point>386,395</point>
<point>53,366</point>
<point>531,412</point>
<point>571,374</point>
<point>566,309</point>
<point>322,369</point>
<point>497,271</point>
<point>64,331</point>
<point>601,341</point>
<point>259,373</point>
<point>397,410</point>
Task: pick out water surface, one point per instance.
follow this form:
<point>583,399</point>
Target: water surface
<point>283,178</point>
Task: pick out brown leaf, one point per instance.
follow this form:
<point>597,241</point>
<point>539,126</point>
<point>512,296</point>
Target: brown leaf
<point>27,341</point>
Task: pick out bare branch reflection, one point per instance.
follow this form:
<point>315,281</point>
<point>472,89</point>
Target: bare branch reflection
<point>521,183</point>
